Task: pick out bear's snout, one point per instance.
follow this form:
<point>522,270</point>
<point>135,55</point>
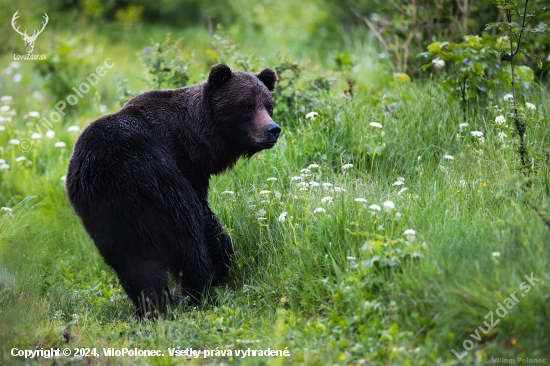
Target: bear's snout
<point>273,130</point>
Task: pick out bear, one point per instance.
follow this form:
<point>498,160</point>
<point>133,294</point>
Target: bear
<point>138,179</point>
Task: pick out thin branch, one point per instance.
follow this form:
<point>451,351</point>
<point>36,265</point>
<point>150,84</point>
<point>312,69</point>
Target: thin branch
<point>371,27</point>
<point>524,14</point>
<point>536,15</point>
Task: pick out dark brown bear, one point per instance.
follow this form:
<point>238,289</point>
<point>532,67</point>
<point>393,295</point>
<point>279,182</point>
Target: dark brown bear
<point>139,179</point>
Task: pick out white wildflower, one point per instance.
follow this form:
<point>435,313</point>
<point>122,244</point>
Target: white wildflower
<point>15,64</point>
<point>227,192</point>
<point>347,166</point>
<point>338,189</point>
<point>311,115</point>
<point>502,136</point>
<point>398,183</point>
<point>278,194</point>
<point>272,178</point>
<point>438,63</point>
<point>326,199</point>
<point>500,120</point>
<point>401,191</point>
<point>6,98</point>
<point>375,124</point>
<point>36,136</point>
<point>313,184</point>
<point>375,207</point>
<point>508,96</point>
<point>4,166</point>
<point>402,179</point>
<point>296,178</point>
<point>319,209</point>
<point>14,142</point>
<point>311,166</point>
<point>388,205</point>
<point>4,108</point>
<point>530,106</point>
<point>360,200</point>
<point>409,232</point>
<point>73,128</point>
<point>350,258</point>
<point>305,171</point>
<point>17,78</point>
<point>496,254</point>
<point>64,178</point>
<point>449,157</point>
<point>282,216</point>
<point>327,184</point>
<point>462,183</point>
<point>477,133</point>
<point>60,144</point>
<point>34,114</point>
<point>265,192</point>
<point>21,158</point>
<point>463,125</point>
<point>102,108</point>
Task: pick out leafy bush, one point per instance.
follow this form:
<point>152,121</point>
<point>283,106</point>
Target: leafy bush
<point>68,64</point>
<point>166,67</point>
<point>297,89</point>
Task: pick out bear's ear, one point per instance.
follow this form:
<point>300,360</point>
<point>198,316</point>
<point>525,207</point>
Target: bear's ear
<point>218,74</point>
<point>268,77</point>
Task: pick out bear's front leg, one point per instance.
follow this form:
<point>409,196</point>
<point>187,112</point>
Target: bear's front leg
<point>219,244</point>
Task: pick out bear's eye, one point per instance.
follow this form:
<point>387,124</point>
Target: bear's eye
<point>247,108</point>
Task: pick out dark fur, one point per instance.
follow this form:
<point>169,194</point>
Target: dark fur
<point>139,179</point>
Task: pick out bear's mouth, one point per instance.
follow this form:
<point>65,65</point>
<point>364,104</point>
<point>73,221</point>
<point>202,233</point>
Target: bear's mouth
<point>267,144</point>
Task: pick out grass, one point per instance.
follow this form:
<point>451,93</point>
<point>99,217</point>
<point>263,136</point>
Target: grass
<point>343,286</point>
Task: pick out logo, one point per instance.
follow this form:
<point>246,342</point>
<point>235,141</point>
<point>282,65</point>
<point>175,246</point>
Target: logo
<point>29,40</point>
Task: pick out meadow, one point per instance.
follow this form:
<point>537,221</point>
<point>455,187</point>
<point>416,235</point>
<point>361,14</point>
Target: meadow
<point>379,230</point>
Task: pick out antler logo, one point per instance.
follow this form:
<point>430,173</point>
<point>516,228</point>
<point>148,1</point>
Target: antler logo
<point>29,40</point>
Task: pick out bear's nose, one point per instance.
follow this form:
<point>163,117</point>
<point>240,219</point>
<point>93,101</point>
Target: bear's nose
<point>274,130</point>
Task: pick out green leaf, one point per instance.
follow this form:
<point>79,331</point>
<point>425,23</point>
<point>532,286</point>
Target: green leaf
<point>434,47</point>
<point>535,58</point>
<point>525,73</point>
<point>478,69</point>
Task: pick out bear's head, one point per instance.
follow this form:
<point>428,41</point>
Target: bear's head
<point>242,109</point>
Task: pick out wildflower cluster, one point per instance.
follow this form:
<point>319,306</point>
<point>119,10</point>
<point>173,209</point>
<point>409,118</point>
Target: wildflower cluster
<point>7,115</point>
<point>511,122</point>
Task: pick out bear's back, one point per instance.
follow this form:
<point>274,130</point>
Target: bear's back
<point>112,149</point>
